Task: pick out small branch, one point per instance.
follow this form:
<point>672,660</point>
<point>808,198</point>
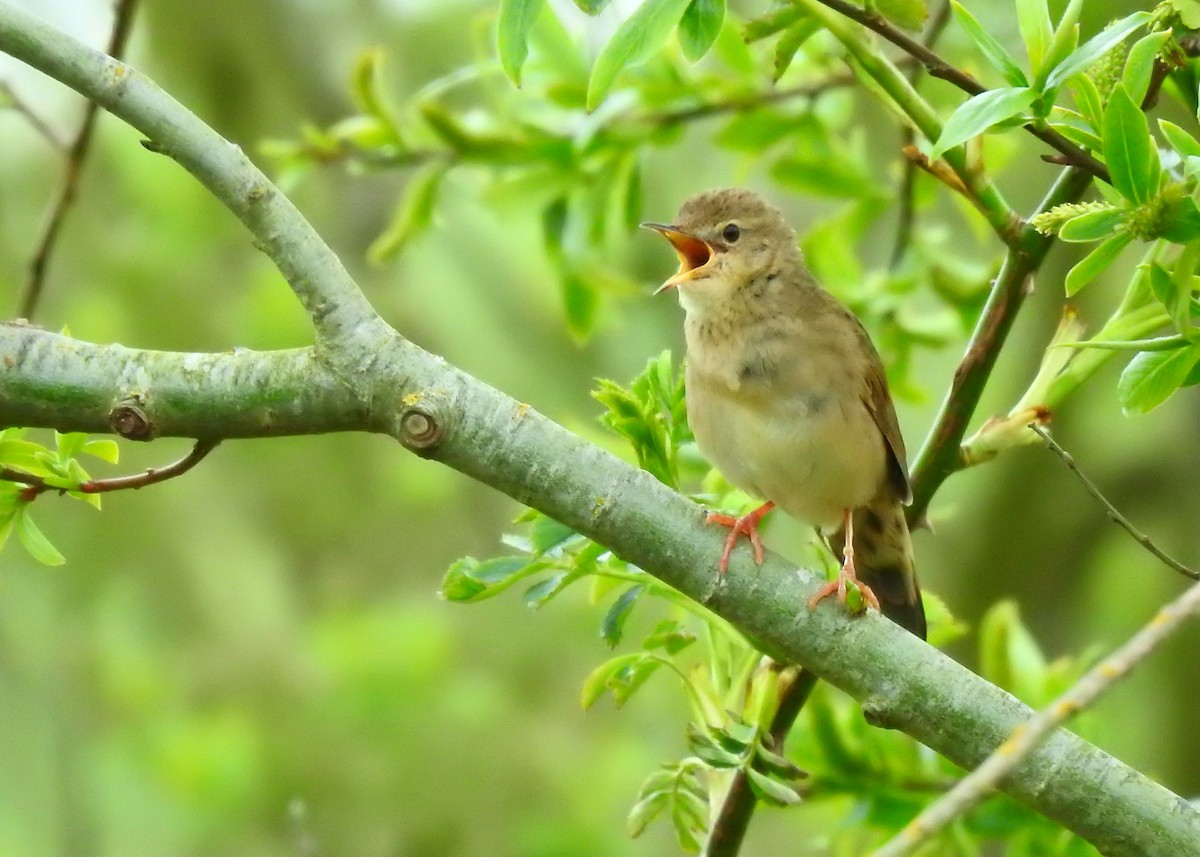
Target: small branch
<point>941,455</point>
<point>943,70</point>
<point>1113,515</point>
<point>36,485</point>
<point>35,278</point>
<point>733,818</point>
<point>980,783</point>
<point>16,103</point>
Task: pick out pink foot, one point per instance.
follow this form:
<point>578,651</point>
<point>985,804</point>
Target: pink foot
<point>746,525</point>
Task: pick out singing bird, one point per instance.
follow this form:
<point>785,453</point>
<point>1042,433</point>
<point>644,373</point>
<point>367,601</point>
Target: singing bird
<point>787,397</point>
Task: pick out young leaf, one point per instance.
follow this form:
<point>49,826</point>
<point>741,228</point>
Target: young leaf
<point>790,43</point>
<point>1065,39</point>
<point>413,214</point>
<point>771,792</point>
<point>1092,226</point>
<point>104,449</point>
<point>909,14</point>
<point>1094,48</point>
<point>981,112</point>
<point>1033,19</point>
<point>1128,148</point>
<point>645,811</point>
<point>580,302</point>
<point>643,33</point>
<point>1181,141</point>
<point>699,26</point>
<point>592,7</point>
<point>1139,65</point>
<point>1183,221</point>
<point>1094,263</point>
<point>1152,376</point>
<point>34,540</point>
<point>602,677</point>
<point>995,53</point>
<point>613,626</point>
<point>512,34</point>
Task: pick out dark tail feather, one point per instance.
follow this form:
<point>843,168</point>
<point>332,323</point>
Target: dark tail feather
<point>883,558</point>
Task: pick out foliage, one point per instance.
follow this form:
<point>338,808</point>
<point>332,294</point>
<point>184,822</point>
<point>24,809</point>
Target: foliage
<point>732,691</point>
<point>58,468</point>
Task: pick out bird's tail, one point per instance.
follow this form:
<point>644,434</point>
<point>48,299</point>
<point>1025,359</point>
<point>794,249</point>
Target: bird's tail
<point>883,559</point>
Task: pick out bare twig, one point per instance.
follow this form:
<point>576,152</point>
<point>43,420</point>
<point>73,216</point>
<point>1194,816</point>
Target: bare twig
<point>18,104</point>
<point>36,276</point>
<point>978,784</point>
<point>939,68</point>
<point>35,485</point>
<point>905,219</point>
<point>1113,515</point>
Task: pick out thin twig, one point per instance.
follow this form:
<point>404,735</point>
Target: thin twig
<point>35,485</point>
<point>1113,515</point>
<point>980,783</point>
<point>905,219</point>
<point>36,276</point>
<point>18,104</point>
<point>941,69</point>
<point>733,818</point>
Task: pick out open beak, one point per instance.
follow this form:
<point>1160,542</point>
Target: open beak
<point>694,254</point>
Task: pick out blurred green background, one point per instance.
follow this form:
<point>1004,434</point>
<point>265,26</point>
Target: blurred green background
<point>253,659</point>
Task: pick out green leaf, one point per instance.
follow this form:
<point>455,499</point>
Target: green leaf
<point>1183,221</point>
<point>790,43</point>
<point>670,637</point>
<point>979,113</point>
<point>1094,263</point>
<point>1152,376</point>
<point>512,34</point>
<point>1087,99</point>
<point>1094,48</point>
<point>1188,12</point>
<point>34,540</point>
<point>1009,656</point>
<point>592,7</point>
<point>413,214</point>
<point>1128,148</point>
<point>770,791</point>
<point>613,626</point>
<point>1177,300</point>
<point>645,811</point>
<point>1033,19</point>
<point>7,518</point>
<point>1181,141</point>
<point>636,40</point>
<point>995,53</point>
<point>699,26</point>
<point>69,444</point>
<point>823,176</point>
<point>1092,226</point>
<point>1065,39</point>
<point>602,677</point>
<point>580,303</point>
<point>365,85</point>
<point>104,449</point>
<point>545,534</point>
<point>909,14</point>
<point>774,21</point>
<point>1139,65</point>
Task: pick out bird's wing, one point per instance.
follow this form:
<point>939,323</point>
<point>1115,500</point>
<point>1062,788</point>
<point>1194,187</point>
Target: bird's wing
<point>879,403</point>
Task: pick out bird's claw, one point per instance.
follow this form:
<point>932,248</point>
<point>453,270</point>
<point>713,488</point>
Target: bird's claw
<point>839,586</point>
<point>746,525</point>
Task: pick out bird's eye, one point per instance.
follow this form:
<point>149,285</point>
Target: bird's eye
<point>731,233</point>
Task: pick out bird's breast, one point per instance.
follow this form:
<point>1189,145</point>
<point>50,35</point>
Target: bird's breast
<point>812,448</point>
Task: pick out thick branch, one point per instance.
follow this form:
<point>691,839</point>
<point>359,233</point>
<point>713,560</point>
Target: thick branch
<point>53,381</point>
<point>441,413</point>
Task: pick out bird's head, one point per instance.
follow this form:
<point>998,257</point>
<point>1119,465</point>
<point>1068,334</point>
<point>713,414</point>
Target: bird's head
<point>725,239</point>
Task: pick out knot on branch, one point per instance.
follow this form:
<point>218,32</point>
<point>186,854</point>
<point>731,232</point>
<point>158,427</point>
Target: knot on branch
<point>420,429</point>
<point>130,422</point>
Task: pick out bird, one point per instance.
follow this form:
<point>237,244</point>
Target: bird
<point>787,397</point>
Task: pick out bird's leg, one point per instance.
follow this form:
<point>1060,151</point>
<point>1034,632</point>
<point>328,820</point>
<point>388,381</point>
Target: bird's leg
<point>746,525</point>
<point>846,574</point>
